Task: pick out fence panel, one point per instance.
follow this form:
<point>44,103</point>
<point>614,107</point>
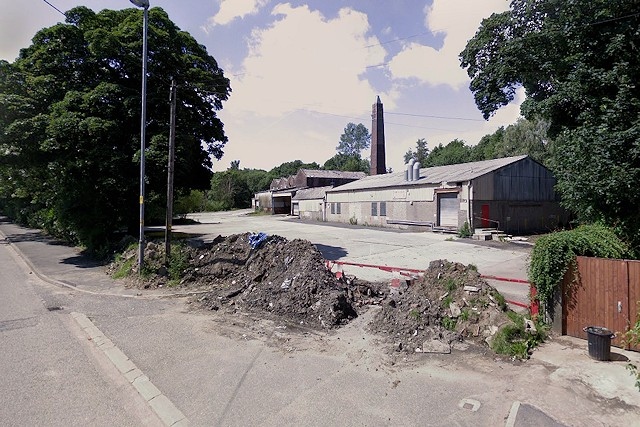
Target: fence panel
<point>634,294</point>
<point>602,292</point>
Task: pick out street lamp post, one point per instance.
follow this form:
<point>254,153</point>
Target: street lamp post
<point>143,125</point>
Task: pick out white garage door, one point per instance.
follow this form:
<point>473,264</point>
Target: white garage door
<point>448,207</point>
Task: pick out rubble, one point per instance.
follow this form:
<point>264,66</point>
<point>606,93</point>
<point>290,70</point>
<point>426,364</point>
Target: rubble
<point>273,277</point>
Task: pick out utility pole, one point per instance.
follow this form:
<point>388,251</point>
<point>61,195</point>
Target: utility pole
<point>172,141</point>
<point>143,125</point>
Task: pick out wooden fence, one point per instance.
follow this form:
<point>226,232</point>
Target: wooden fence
<point>601,292</point>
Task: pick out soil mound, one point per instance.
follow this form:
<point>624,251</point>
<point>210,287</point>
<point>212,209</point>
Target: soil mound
<point>285,278</point>
<point>449,303</point>
<point>288,280</point>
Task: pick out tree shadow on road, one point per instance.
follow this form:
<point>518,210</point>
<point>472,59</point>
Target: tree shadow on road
<point>331,253</point>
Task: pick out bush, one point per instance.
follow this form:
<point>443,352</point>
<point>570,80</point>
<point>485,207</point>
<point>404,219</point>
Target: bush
<point>632,337</point>
<point>465,230</point>
<point>553,254</point>
<point>178,263</point>
<point>514,340</point>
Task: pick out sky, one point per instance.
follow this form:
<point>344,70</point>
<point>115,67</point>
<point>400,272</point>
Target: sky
<point>300,71</point>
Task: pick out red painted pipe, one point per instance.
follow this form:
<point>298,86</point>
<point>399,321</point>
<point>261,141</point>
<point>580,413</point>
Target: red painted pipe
<point>505,279</point>
<point>533,308</point>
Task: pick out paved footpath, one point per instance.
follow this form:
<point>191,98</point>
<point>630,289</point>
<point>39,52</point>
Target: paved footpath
<point>235,379</point>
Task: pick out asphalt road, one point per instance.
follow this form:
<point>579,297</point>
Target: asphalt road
<point>49,374</point>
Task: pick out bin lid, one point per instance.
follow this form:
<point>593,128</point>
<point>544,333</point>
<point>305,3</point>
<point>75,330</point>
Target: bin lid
<point>599,330</point>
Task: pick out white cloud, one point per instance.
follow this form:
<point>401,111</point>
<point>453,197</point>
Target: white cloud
<point>306,61</point>
<point>236,9</point>
<point>458,20</point>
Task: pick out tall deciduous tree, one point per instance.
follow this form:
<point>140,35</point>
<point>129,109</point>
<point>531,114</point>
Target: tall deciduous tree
<point>354,139</point>
<point>453,153</point>
<point>70,121</point>
<point>421,153</point>
<point>523,137</point>
<point>578,62</point>
<point>350,163</point>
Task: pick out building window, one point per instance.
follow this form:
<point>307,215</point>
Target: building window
<point>374,209</point>
<point>383,208</point>
<point>333,208</point>
<point>338,208</point>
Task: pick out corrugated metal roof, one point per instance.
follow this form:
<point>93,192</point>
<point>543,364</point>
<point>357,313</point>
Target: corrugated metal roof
<point>311,193</point>
<point>434,175</point>
<point>313,173</point>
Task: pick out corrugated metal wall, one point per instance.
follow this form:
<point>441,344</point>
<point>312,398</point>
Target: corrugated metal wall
<point>519,217</point>
<point>525,180</point>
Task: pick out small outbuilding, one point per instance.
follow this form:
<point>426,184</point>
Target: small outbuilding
<point>309,203</point>
<point>512,194</point>
<point>279,198</point>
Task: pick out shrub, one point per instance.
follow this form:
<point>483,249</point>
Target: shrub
<point>632,337</point>
<point>178,263</point>
<point>514,340</point>
<point>465,230</point>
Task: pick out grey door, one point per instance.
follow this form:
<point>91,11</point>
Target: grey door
<point>448,207</point>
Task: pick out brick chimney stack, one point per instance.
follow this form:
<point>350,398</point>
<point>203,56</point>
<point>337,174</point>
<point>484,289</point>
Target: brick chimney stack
<point>378,163</point>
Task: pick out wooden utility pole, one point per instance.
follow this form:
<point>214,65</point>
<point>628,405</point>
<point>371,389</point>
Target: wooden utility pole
<point>172,140</point>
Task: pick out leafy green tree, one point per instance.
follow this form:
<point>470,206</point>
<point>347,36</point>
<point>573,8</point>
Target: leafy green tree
<point>523,137</point>
<point>354,139</point>
<point>291,168</point>
<point>70,122</point>
<point>453,153</point>
<point>234,188</point>
<point>421,153</point>
<point>486,149</point>
<point>579,65</point>
<point>348,162</point>
<point>229,190</point>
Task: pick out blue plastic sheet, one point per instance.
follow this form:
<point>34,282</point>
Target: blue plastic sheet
<point>256,239</point>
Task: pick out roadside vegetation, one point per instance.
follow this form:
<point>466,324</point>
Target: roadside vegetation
<point>518,338</point>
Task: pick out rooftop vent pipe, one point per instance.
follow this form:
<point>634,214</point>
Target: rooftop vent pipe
<point>410,170</point>
<point>416,171</point>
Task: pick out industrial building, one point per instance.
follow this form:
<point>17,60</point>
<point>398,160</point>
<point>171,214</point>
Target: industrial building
<point>278,199</point>
<point>513,194</point>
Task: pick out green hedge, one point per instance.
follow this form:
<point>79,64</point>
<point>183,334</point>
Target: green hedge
<point>553,254</point>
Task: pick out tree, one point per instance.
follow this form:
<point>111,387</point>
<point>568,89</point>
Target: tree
<point>291,168</point>
<point>579,65</point>
<point>346,162</point>
<point>421,153</point>
<point>523,137</point>
<point>229,190</point>
<point>69,114</point>
<point>453,153</point>
<point>234,188</point>
<point>354,139</point>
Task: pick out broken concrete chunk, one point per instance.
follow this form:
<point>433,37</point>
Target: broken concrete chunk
<point>436,346</point>
<point>455,310</point>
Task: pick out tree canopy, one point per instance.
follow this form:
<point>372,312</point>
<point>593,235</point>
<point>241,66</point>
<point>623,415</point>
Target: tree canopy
<point>354,139</point>
<point>70,121</point>
<point>421,153</point>
<point>579,65</point>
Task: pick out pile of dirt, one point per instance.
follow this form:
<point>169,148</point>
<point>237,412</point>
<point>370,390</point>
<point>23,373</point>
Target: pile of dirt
<point>288,280</point>
<point>284,278</point>
<point>450,303</point>
<point>278,278</point>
